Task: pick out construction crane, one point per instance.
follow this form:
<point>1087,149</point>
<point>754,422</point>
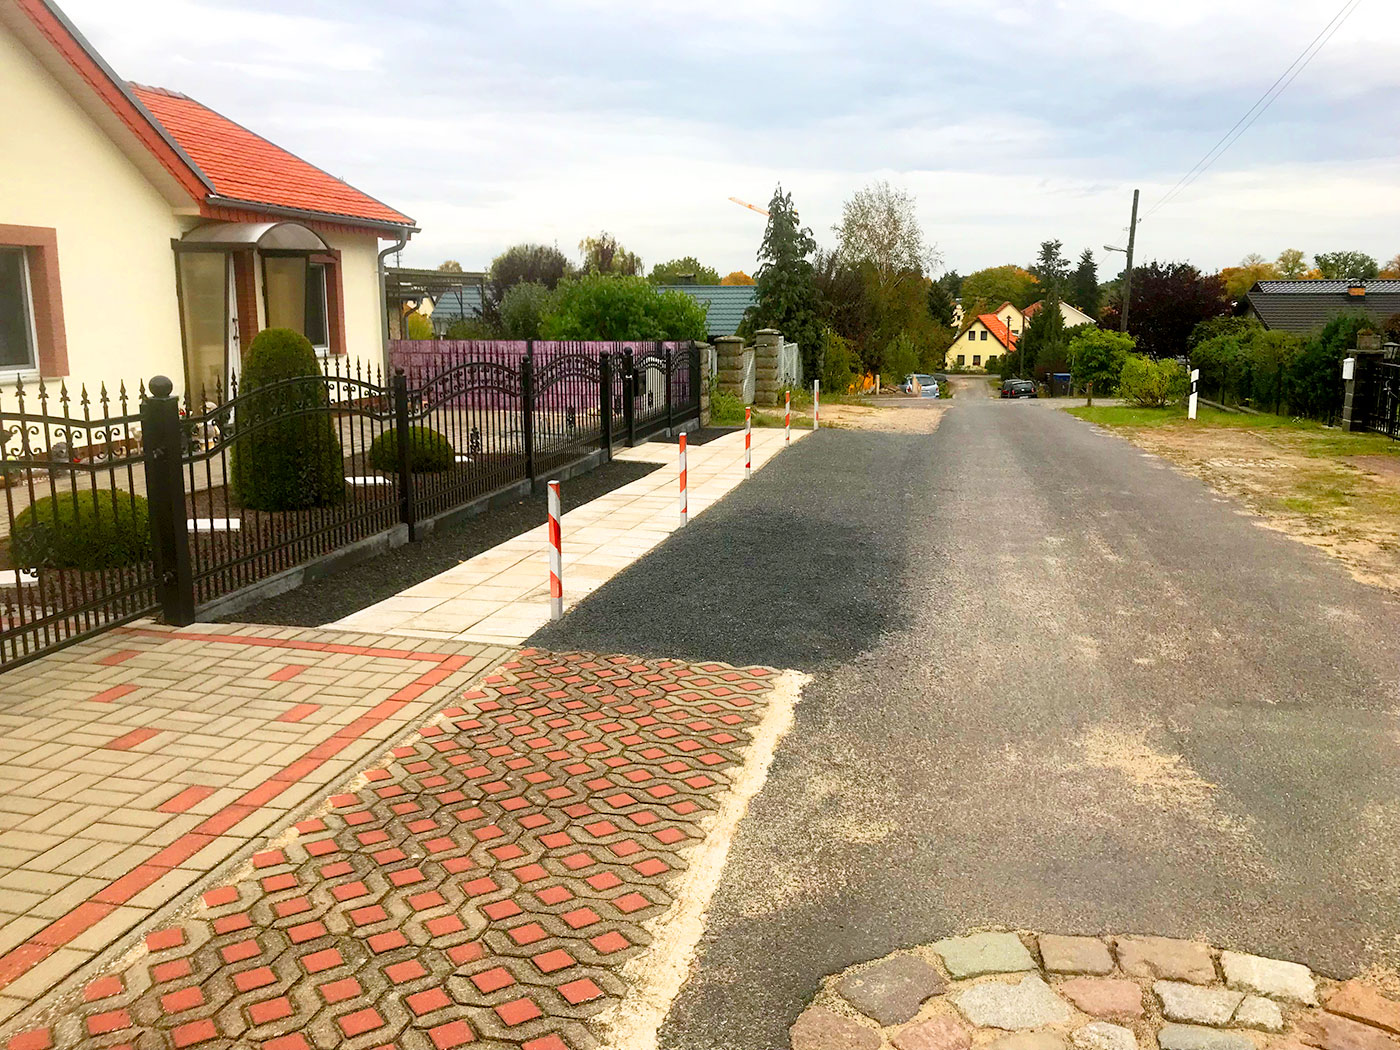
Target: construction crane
<point>751,207</point>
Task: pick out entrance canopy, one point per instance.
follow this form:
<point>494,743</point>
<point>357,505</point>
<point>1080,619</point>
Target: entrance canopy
<point>278,236</point>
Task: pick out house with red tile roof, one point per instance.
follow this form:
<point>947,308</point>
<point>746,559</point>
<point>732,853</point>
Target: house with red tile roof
<point>142,233</point>
<point>986,337</point>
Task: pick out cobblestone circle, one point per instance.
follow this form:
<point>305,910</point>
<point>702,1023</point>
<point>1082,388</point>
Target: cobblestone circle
<point>483,887</point>
<point>1025,991</point>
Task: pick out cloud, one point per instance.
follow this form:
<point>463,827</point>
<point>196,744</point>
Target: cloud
<point>1012,120</point>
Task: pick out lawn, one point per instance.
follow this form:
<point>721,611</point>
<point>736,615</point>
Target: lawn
<point>1333,489</point>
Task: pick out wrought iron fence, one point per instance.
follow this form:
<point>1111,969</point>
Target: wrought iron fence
<point>1376,399</point>
<point>75,552</point>
<point>196,501</point>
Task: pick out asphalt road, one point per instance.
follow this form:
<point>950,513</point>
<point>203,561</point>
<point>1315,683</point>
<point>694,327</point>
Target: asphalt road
<point>1056,686</point>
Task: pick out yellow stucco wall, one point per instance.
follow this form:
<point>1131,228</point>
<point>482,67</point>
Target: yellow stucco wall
<point>116,269</point>
<point>968,348</point>
<point>114,232</point>
<point>359,262</point>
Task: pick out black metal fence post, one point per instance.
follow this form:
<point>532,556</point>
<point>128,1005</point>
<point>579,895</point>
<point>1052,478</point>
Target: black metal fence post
<point>408,508</point>
<point>527,406</point>
<point>605,400</point>
<point>670,400</point>
<point>629,397</point>
<point>165,490</point>
<point>693,394</point>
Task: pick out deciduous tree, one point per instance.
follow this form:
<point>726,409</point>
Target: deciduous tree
<point>1240,279</point>
<point>736,277</point>
<point>603,254</point>
<point>880,227</point>
<point>450,266</point>
<point>1096,357</point>
<point>1291,263</point>
<point>987,289</point>
<point>1345,266</point>
<point>599,306</point>
<point>1169,300</point>
<point>685,270</point>
<point>539,263</point>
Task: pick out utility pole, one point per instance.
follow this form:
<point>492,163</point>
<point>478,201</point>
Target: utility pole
<point>1128,276</point>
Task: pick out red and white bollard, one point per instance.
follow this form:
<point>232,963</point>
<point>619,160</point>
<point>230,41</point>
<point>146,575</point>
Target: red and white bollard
<point>748,443</point>
<point>556,556</point>
<point>685,509</point>
<point>816,403</point>
<point>787,419</point>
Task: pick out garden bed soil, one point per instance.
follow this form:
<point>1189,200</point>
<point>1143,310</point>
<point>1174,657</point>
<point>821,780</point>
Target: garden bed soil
<point>340,594</point>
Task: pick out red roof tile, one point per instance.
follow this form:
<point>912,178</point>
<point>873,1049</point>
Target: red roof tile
<point>246,167</point>
<point>999,330</point>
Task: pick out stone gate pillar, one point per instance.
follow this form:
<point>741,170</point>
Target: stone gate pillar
<point>766,344</point>
<point>733,359</point>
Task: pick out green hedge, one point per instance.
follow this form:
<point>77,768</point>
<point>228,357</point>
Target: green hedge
<point>428,451</point>
<point>88,530</point>
<point>286,455</point>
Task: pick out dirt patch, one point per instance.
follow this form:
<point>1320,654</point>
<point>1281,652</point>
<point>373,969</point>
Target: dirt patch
<point>911,416</point>
<point>1347,506</point>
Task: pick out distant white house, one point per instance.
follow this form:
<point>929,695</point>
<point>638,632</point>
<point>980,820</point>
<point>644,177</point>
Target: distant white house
<point>1074,317</point>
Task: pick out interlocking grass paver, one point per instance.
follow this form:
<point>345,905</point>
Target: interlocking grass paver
<point>485,883</point>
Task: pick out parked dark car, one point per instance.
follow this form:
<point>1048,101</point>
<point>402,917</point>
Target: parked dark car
<point>1017,388</point>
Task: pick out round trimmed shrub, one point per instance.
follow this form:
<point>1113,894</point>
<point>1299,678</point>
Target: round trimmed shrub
<point>428,451</point>
<point>101,529</point>
<point>286,455</point>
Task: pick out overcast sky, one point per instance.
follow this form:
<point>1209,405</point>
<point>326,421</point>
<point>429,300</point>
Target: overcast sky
<point>498,121</point>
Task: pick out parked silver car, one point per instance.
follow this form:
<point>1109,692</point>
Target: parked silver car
<point>922,385</point>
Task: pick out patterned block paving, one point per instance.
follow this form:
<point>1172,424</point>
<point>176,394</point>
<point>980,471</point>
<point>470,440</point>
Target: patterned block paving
<point>483,888</point>
<point>132,764</point>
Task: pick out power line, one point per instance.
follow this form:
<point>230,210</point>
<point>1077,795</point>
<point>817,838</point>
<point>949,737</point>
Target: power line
<point>1261,105</point>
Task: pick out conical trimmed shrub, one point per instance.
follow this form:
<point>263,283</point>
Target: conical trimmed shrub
<point>286,455</point>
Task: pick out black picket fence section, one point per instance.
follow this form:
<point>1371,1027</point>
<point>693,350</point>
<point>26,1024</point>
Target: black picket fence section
<point>229,490</point>
<point>66,460</point>
<point>1377,405</point>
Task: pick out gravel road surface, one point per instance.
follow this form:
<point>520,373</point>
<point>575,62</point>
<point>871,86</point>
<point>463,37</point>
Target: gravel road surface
<point>1056,686</point>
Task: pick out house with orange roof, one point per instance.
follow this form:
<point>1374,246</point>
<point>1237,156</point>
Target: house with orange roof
<point>986,337</point>
<point>143,233</point>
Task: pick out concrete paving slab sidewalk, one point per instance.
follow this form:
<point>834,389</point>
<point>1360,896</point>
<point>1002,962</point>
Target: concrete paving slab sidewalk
<point>134,763</point>
<point>501,596</point>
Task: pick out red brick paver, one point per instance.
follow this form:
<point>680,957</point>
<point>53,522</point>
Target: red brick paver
<point>484,888</point>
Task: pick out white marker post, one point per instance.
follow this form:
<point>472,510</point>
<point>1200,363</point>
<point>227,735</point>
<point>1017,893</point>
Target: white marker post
<point>1191,401</point>
<point>748,443</point>
<point>685,509</point>
<point>787,419</point>
<point>556,556</point>
<point>816,403</point>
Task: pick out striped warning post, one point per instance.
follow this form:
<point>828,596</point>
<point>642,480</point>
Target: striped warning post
<point>787,419</point>
<point>556,556</point>
<point>685,510</point>
<point>816,403</point>
<point>748,442</point>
